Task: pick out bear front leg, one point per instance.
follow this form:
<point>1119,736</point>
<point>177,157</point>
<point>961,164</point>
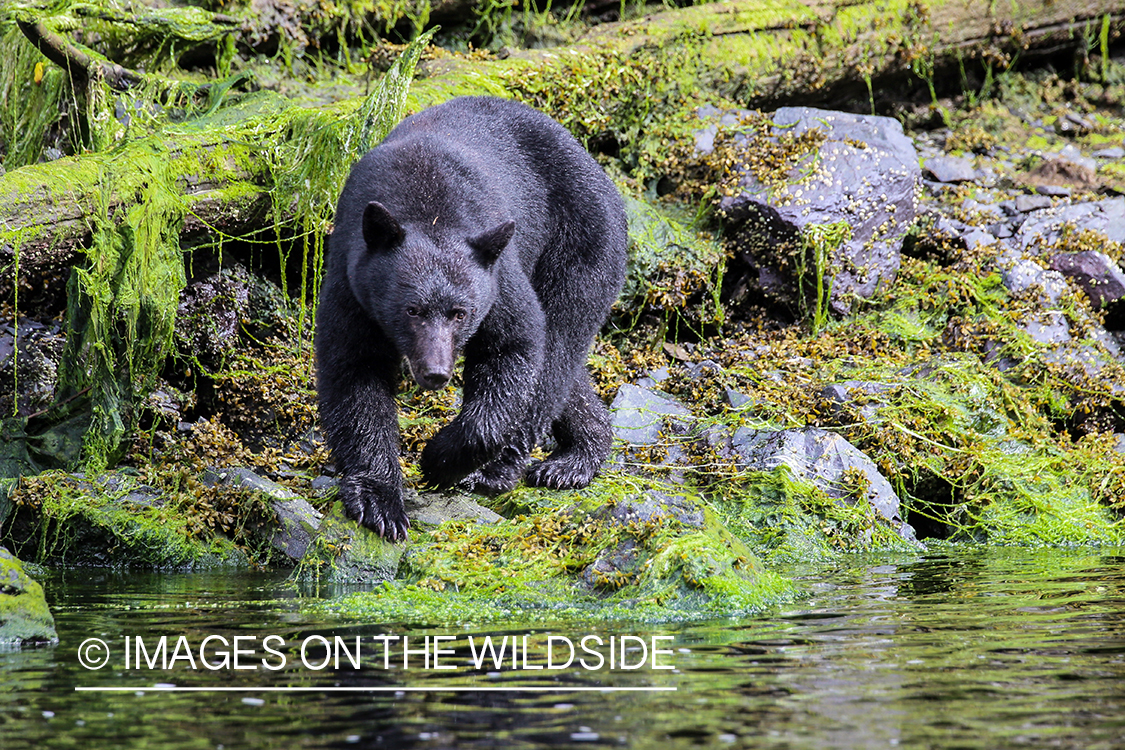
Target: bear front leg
<point>502,364</point>
<point>360,422</point>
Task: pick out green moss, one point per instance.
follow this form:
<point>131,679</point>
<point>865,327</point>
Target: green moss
<point>561,559</point>
<point>64,519</point>
<point>24,616</point>
<point>671,264</point>
<point>345,552</point>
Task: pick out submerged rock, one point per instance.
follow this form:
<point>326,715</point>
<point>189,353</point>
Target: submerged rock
<point>24,615</point>
<point>862,175</point>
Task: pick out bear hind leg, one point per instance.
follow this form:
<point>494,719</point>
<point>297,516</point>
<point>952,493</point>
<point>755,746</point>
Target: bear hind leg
<point>584,435</point>
<point>499,475</point>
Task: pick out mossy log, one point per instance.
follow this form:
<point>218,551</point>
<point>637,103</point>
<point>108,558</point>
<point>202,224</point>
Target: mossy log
<point>747,51</point>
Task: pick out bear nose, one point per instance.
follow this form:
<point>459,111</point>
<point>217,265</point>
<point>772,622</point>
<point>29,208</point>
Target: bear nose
<point>434,379</point>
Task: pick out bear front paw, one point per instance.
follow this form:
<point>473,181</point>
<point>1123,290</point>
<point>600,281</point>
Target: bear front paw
<point>376,504</point>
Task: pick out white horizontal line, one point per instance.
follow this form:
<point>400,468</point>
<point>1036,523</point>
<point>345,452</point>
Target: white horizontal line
<point>264,689</point>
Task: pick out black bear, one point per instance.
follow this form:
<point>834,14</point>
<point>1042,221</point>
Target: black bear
<point>478,226</point>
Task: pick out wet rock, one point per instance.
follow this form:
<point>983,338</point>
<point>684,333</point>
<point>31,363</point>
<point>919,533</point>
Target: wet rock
<point>1044,228</point>
<point>115,521</point>
<point>1022,275</point>
<point>296,521</point>
<point>1049,327</point>
<point>653,507</point>
<point>951,169</point>
<point>1027,203</point>
<point>615,566</point>
<point>435,508</point>
<point>1054,191</point>
<point>1098,275</point>
<point>28,376</point>
<point>345,552</point>
<point>864,175</point>
<point>24,616</point>
<point>639,414</point>
<point>1082,362</point>
<point>737,400</point>
<point>210,314</point>
<point>856,397</point>
<point>822,458</point>
<point>323,484</point>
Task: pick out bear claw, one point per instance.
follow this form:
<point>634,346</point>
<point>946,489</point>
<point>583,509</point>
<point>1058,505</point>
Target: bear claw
<point>376,505</point>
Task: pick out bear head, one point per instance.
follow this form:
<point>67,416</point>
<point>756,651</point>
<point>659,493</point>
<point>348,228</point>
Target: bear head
<point>427,289</point>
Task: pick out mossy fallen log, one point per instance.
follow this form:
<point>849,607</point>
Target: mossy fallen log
<point>625,81</point>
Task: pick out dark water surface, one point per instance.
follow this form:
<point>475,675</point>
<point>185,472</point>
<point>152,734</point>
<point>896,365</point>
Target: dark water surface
<point>988,648</point>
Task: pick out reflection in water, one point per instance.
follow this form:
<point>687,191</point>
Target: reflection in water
<point>958,649</point>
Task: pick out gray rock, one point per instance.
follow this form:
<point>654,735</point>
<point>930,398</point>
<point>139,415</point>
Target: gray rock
<point>1054,191</point>
<point>1049,327</point>
<point>951,169</point>
<point>1084,361</point>
<point>1097,274</point>
<point>653,506</point>
<point>1113,152</point>
<point>1071,154</point>
<point>864,174</point>
<point>737,400</point>
<point>33,369</point>
<point>820,457</point>
<point>435,508</point>
<point>987,210</point>
<point>615,567</point>
<point>856,396</point>
<point>1043,228</point>
<point>297,521</point>
<point>1027,203</point>
<point>1023,274</point>
<point>639,414</point>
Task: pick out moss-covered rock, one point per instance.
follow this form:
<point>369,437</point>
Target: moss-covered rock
<point>117,521</point>
<point>345,552</point>
<point>24,616</point>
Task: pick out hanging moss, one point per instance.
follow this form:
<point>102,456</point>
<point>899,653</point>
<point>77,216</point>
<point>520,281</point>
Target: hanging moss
<point>122,303</point>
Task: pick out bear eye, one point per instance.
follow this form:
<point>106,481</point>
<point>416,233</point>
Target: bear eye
<point>458,314</point>
<point>412,311</point>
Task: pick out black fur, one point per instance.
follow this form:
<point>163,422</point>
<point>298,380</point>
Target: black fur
<point>479,226</point>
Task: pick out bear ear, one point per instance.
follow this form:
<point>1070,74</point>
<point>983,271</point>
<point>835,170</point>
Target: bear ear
<point>488,245</point>
<point>380,230</point>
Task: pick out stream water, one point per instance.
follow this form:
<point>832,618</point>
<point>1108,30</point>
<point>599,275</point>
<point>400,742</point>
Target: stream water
<point>958,648</point>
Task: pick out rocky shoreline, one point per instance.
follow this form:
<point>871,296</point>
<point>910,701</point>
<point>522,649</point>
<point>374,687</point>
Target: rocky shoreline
<point>916,337</point>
